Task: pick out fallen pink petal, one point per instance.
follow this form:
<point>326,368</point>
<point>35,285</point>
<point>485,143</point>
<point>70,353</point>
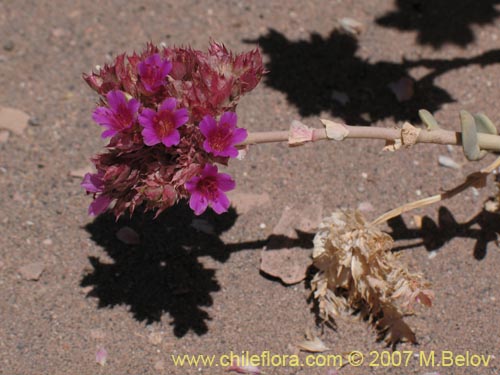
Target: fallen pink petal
<point>101,356</point>
<point>245,369</point>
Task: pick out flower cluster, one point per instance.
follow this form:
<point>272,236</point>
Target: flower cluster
<point>170,115</point>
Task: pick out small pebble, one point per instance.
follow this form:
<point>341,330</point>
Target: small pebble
<point>365,207</point>
<point>4,136</point>
<point>447,162</point>
<point>475,193</point>
<point>160,365</point>
<point>418,192</point>
<point>34,121</point>
<point>361,188</point>
<point>340,97</point>
<point>432,254</point>
<point>47,242</point>
<point>97,334</point>
<point>262,226</point>
<point>32,271</point>
<point>8,45</point>
<point>351,26</point>
<point>155,338</point>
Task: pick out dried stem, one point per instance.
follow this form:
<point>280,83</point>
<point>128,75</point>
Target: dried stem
<point>474,179</point>
<point>438,136</point>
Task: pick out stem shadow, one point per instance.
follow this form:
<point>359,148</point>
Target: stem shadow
<point>484,228</point>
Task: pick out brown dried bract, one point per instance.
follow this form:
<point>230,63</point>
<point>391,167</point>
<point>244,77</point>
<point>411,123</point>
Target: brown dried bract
<point>359,273</point>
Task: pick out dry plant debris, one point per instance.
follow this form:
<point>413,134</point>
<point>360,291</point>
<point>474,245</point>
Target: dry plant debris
<point>358,273</point>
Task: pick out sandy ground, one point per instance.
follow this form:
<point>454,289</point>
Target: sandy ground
<point>182,291</point>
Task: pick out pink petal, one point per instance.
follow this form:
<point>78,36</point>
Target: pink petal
<point>168,104</point>
<point>102,116</point>
<point>229,118</point>
<point>101,356</point>
<point>92,183</point>
<point>146,118</point>
<point>166,68</point>
<point>206,146</point>
<point>248,369</point>
<point>181,117</point>
<point>116,98</point>
<point>172,139</point>
<point>150,137</point>
<point>230,151</point>
<point>207,125</point>
<point>221,204</point>
<point>209,170</point>
<point>198,203</point>
<point>108,133</point>
<point>191,184</point>
<point>225,182</point>
<point>133,106</point>
<point>99,205</point>
<point>239,135</point>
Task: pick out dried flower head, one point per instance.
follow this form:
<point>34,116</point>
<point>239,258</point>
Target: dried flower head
<point>359,273</point>
<point>153,105</point>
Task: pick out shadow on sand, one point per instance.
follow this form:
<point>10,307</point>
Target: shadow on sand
<point>325,74</point>
<point>163,274</point>
<point>441,22</point>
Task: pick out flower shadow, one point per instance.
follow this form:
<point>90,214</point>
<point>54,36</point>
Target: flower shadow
<point>163,274</point>
<point>484,228</point>
<point>441,22</point>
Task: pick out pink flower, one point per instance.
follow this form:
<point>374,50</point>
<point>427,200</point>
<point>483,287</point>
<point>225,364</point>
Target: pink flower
<point>153,71</point>
<point>220,138</point>
<point>93,183</point>
<point>208,190</point>
<point>120,116</point>
<point>161,126</point>
<point>99,205</point>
